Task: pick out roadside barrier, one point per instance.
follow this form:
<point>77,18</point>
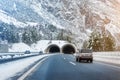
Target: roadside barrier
<point>110,57</point>
<point>11,56</point>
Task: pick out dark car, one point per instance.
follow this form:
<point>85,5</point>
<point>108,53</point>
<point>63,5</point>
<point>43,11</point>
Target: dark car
<point>41,52</point>
<point>27,52</point>
<point>84,54</point>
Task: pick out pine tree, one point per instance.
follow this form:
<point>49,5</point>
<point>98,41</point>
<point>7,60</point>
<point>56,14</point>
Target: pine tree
<point>95,41</point>
<point>85,44</point>
<point>26,38</point>
<point>99,42</point>
<point>60,35</point>
<point>31,35</point>
<point>35,36</point>
<point>108,43</point>
<point>65,35</point>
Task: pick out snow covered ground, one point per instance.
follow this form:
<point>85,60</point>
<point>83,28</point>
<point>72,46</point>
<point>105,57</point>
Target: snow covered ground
<point>10,69</point>
<point>19,47</point>
<point>109,57</point>
<point>36,47</point>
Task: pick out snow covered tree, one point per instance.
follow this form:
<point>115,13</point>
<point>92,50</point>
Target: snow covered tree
<point>108,43</point>
<point>85,44</point>
<point>65,35</point>
<point>31,35</point>
<point>100,42</point>
<point>8,32</point>
<point>35,36</point>
<point>60,35</point>
<point>26,38</point>
<point>95,41</point>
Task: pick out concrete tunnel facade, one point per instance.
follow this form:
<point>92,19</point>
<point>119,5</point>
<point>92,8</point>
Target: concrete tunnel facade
<point>65,48</point>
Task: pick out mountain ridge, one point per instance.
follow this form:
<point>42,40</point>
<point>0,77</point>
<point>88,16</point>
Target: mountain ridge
<point>80,17</point>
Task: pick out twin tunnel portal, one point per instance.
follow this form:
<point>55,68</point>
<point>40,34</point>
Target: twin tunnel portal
<point>66,49</point>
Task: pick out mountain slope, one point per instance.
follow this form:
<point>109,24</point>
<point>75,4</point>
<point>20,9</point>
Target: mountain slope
<point>80,17</point>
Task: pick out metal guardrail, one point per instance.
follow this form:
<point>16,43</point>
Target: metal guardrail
<point>2,55</point>
<point>107,53</point>
<point>6,57</point>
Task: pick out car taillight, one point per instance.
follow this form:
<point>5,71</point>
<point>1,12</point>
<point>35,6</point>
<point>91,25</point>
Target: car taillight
<point>91,55</point>
<point>80,55</point>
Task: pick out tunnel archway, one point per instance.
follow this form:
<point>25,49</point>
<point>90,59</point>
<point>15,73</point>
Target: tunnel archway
<point>53,49</point>
<point>68,49</point>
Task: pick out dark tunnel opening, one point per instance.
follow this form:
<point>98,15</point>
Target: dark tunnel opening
<point>68,49</point>
<point>54,49</point>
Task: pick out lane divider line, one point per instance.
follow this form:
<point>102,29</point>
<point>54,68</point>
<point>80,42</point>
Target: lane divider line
<point>30,70</point>
<point>72,63</point>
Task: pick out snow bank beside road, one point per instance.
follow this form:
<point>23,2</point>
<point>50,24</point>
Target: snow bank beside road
<point>109,57</point>
<point>11,69</point>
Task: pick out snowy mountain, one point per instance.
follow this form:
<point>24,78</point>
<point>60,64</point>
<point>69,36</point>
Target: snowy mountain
<point>80,17</point>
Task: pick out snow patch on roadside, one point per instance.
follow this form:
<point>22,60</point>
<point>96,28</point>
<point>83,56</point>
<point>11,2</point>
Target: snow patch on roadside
<point>11,69</point>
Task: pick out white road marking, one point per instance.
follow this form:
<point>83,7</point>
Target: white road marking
<point>30,71</point>
<point>108,65</point>
<point>72,63</point>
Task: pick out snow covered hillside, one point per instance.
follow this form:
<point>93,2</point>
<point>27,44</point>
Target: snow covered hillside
<point>80,17</point>
<point>36,47</point>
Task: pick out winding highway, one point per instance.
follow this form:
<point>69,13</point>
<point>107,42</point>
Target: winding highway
<point>64,67</point>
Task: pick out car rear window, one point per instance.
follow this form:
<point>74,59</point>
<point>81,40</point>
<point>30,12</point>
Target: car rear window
<point>85,51</point>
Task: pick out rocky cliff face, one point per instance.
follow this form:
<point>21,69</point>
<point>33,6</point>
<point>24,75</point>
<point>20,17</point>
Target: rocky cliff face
<point>80,17</point>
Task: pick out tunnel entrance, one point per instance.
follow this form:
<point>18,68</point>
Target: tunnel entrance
<point>53,49</point>
<point>68,49</point>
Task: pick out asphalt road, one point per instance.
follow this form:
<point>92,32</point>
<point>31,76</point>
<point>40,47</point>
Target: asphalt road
<point>64,67</point>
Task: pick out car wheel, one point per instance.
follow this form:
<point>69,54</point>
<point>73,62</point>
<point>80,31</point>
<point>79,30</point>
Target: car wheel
<point>87,60</point>
<point>76,59</point>
<point>79,60</point>
<point>91,61</point>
